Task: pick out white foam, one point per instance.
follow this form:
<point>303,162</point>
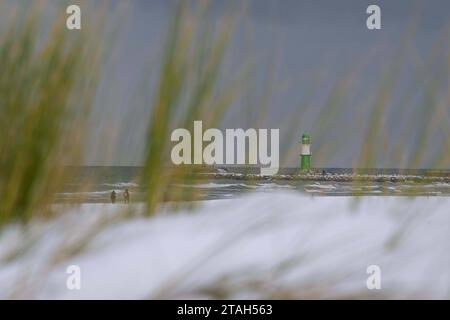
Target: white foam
<point>122,184</point>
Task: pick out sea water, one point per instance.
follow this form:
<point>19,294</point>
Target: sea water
<point>94,185</point>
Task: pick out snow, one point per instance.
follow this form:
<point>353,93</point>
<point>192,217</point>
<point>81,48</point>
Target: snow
<point>286,245</point>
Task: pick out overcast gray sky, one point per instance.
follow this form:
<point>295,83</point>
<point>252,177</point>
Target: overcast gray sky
<point>303,41</point>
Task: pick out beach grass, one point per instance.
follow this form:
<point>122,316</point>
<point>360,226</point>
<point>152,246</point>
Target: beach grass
<point>187,90</point>
<point>47,83</point>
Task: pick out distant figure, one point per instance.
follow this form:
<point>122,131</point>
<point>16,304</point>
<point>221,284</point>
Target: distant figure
<point>323,172</point>
<point>113,197</point>
<point>126,196</point>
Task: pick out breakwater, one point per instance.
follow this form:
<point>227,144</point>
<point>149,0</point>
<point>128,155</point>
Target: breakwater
<point>336,177</point>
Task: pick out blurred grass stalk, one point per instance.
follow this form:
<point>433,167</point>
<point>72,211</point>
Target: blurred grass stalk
<point>47,84</point>
<point>188,89</point>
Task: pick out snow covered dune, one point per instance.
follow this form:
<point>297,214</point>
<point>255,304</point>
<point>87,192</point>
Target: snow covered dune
<point>287,245</point>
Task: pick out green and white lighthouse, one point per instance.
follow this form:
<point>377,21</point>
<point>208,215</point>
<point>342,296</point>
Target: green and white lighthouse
<point>305,155</point>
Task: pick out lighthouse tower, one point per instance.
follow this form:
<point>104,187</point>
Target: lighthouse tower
<point>305,156</point>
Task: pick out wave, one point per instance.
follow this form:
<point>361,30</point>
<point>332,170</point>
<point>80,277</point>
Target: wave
<point>274,186</point>
<point>85,193</point>
<point>321,186</point>
<point>213,185</point>
<point>437,185</point>
<point>122,184</point>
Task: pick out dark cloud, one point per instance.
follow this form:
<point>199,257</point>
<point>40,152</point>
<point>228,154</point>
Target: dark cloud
<point>303,38</point>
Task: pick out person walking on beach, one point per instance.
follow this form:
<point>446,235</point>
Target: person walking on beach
<point>126,196</point>
<point>113,197</point>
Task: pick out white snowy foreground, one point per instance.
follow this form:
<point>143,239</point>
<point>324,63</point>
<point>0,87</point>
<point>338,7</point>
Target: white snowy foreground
<point>286,245</point>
